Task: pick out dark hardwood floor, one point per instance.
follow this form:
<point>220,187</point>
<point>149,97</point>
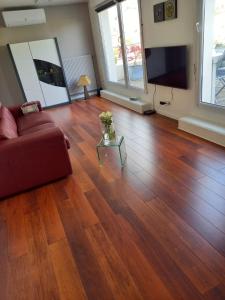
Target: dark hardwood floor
<point>154,230</point>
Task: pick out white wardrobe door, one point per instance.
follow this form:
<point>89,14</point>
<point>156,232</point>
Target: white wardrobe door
<point>27,72</point>
<point>45,50</point>
<point>54,95</point>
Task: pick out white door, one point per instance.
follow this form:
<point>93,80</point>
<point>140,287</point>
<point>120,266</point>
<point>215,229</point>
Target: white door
<point>27,72</point>
<point>44,53</point>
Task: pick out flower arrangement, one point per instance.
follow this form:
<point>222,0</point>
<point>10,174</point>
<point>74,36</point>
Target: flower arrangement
<point>107,121</point>
<point>106,118</point>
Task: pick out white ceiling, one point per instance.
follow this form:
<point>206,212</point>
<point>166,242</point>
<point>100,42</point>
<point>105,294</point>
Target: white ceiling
<point>21,3</point>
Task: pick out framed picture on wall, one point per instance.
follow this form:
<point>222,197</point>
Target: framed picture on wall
<point>170,9</point>
<point>159,12</point>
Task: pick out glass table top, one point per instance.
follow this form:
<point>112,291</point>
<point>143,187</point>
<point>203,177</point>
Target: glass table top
<point>111,143</point>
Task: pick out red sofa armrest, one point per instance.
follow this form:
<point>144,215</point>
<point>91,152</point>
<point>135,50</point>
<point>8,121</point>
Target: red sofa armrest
<point>17,112</point>
<point>33,160</point>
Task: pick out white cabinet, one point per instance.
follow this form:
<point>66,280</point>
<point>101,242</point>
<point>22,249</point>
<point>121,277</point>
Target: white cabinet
<point>40,72</point>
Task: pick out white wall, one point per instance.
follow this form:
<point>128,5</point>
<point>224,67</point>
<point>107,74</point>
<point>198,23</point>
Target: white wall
<point>69,23</point>
<point>181,31</point>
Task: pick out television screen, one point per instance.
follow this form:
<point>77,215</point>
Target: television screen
<point>167,66</point>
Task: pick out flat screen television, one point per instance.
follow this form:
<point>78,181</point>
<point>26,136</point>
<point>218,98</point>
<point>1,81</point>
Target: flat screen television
<point>167,66</point>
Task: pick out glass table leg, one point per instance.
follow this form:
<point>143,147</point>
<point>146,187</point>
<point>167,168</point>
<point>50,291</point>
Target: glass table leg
<point>99,157</point>
<point>123,153</point>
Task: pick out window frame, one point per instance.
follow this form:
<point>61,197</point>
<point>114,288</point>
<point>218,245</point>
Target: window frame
<point>200,50</point>
<point>126,84</point>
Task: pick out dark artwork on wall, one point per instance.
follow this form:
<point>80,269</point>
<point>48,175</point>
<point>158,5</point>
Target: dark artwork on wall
<point>170,9</point>
<point>165,11</point>
<point>159,13</point>
<point>49,73</point>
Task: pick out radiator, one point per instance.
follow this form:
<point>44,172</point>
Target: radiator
<point>75,67</point>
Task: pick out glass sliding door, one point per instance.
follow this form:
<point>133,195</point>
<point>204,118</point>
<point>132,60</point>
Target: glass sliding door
<point>213,53</point>
<point>132,42</point>
<point>121,39</point>
<point>111,39</point>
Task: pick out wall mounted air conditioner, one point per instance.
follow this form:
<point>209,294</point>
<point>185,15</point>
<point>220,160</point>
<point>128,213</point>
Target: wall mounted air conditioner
<point>24,17</point>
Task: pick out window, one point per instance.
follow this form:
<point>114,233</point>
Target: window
<point>121,39</point>
<point>213,53</point>
<point>111,40</point>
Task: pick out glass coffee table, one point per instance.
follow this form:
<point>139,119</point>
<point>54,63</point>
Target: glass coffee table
<point>118,142</point>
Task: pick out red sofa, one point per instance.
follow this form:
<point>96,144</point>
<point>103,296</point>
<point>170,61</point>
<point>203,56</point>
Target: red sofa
<point>33,150</point>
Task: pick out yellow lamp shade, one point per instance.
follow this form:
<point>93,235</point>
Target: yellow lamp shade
<point>84,80</point>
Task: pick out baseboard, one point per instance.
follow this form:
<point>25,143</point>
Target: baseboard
<point>209,131</point>
<point>80,95</point>
<point>138,106</point>
<point>166,114</point>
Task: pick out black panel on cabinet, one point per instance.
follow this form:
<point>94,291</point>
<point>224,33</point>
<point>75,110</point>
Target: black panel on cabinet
<point>49,73</point>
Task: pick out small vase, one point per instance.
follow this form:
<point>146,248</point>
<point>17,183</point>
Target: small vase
<point>108,132</point>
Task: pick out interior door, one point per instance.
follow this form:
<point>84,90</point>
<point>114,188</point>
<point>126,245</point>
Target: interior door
<point>49,70</point>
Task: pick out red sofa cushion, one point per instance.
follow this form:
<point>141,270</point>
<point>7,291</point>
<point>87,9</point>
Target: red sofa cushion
<point>37,128</point>
<point>8,127</point>
<point>32,120</point>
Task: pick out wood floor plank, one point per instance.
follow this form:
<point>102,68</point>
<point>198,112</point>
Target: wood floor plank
<point>193,218</point>
<point>85,134</point>
<point>138,186</point>
<point>161,261</point>
<point>199,246</point>
<point>145,241</point>
<point>17,242</point>
<point>81,177</point>
<point>162,230</point>
<point>43,276</point>
<point>219,176</point>
<point>206,194</point>
<point>145,276</point>
<point>82,207</point>
<point>67,275</point>
<point>217,293</point>
<point>22,280</point>
<point>49,214</point>
<point>118,277</point>
<point>213,151</point>
<point>183,188</point>
<point>91,276</point>
<point>4,264</point>
<point>213,186</point>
